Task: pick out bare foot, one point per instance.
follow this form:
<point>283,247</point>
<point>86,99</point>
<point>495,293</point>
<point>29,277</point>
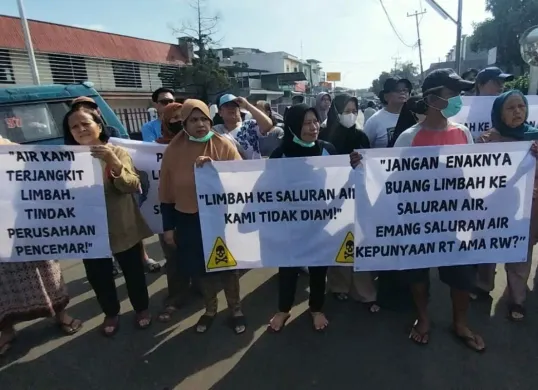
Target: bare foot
<point>320,322</point>
<point>278,321</point>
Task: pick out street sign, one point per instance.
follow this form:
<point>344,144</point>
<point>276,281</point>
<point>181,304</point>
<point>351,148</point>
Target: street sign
<point>333,76</point>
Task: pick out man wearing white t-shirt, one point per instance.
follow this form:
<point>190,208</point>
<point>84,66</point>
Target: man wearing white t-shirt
<point>380,125</point>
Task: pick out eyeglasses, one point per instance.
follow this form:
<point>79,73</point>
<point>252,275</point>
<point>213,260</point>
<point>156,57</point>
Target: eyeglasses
<point>166,102</point>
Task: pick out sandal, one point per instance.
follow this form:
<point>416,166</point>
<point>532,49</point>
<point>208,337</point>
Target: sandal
<point>279,319</point>
<point>6,345</point>
<point>470,340</point>
<point>152,266</point>
<point>419,338</point>
<point>373,307</point>
<point>342,297</point>
<point>238,324</point>
<point>516,312</point>
<point>71,327</point>
<point>204,323</point>
<point>110,326</point>
<point>319,321</point>
<point>143,320</point>
<point>166,314</point>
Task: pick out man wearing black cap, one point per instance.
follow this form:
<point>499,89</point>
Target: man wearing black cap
<point>381,124</point>
<point>490,81</point>
<point>441,100</point>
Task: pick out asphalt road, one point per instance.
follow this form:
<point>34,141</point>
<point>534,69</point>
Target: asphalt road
<point>359,350</point>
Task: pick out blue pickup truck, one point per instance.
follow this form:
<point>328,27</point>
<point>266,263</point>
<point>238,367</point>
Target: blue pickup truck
<point>34,114</point>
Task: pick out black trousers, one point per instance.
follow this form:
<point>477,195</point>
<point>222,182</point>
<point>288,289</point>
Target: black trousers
<point>287,286</point>
<point>99,274</point>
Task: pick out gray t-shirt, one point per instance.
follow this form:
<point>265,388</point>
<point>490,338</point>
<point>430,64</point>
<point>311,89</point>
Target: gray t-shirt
<point>271,141</point>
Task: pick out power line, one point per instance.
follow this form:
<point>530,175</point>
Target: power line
<point>392,26</point>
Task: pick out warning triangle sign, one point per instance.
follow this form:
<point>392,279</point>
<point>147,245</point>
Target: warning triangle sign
<point>346,254</point>
<point>220,256</point>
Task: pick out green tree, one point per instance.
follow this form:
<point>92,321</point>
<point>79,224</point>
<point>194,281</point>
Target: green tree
<point>205,78</point>
<point>405,70</point>
<point>521,83</point>
<point>510,19</point>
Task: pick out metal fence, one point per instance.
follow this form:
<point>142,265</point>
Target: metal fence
<point>133,119</point>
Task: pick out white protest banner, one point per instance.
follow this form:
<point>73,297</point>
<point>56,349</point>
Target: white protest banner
<point>424,207</point>
<point>52,204</point>
<point>147,158</point>
<point>276,213</point>
<point>476,113</point>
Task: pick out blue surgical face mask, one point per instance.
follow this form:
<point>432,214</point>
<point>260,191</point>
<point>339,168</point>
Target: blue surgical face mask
<point>453,107</point>
<point>205,138</point>
<point>302,143</point>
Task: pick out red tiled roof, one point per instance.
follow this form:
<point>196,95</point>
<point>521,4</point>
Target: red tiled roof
<point>56,38</point>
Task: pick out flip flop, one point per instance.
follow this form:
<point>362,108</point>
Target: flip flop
<point>468,340</point>
<point>424,337</point>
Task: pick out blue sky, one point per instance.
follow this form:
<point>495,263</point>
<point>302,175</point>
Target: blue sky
<point>349,36</point>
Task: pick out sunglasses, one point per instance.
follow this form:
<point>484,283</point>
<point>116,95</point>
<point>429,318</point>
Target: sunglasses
<point>166,102</point>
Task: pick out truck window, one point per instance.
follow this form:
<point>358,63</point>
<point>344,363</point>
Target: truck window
<point>28,123</point>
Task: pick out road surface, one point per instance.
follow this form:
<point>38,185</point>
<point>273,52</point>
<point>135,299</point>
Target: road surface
<point>359,351</point>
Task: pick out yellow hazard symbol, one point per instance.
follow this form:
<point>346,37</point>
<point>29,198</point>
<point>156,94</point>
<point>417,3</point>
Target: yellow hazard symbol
<point>220,256</point>
<point>346,253</point>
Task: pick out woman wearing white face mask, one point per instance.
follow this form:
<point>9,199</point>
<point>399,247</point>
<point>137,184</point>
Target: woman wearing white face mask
<point>342,132</point>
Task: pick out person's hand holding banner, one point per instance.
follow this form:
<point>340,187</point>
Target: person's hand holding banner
<point>103,152</point>
<point>355,159</point>
<point>201,160</point>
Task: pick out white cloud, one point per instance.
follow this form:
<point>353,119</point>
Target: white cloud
<point>98,27</point>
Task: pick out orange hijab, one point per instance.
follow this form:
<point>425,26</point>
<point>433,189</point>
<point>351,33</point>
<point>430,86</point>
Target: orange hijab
<point>166,134</point>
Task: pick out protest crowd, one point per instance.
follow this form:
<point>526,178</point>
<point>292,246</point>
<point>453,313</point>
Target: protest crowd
<point>195,138</point>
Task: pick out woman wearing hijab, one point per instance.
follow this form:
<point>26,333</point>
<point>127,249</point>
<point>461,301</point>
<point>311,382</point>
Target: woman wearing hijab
<point>323,103</point>
<point>196,144</point>
<point>171,123</point>
<point>509,114</point>
<point>342,132</point>
<point>126,226</point>
<point>301,129</point>
<point>178,284</point>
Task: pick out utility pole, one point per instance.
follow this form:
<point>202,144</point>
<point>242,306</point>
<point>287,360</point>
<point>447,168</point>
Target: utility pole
<point>445,15</point>
<point>416,15</point>
<point>458,37</point>
<point>28,43</point>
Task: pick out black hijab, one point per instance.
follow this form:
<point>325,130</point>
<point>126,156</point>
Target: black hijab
<point>293,124</point>
<point>345,140</point>
<point>407,117</point>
